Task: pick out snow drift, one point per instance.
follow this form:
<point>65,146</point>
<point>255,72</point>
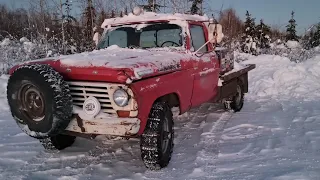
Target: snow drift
<point>278,77</point>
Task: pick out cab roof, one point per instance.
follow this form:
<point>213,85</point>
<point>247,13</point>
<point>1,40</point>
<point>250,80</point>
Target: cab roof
<point>152,17</point>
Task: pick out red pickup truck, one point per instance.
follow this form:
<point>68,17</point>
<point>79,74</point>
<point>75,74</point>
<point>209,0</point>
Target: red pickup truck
<point>145,65</point>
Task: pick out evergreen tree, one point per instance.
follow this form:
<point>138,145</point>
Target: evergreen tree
<point>249,25</point>
<point>126,11</point>
<point>195,6</point>
<point>291,29</point>
<point>263,35</point>
<point>151,6</point>
<point>89,15</point>
<point>113,14</point>
<point>68,19</point>
<point>314,40</point>
<point>102,16</point>
<point>250,40</point>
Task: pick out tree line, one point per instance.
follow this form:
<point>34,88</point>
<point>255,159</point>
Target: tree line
<point>55,22</point>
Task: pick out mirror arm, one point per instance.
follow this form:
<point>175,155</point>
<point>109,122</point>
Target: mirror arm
<point>203,46</point>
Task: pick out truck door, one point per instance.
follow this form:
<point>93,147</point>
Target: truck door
<point>206,74</point>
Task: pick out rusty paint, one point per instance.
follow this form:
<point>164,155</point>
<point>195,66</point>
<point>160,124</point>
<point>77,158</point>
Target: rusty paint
<point>91,123</point>
<point>125,123</point>
<point>114,126</point>
<point>80,123</point>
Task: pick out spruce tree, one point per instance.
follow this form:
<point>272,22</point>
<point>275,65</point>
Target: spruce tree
<point>195,6</point>
<point>68,19</point>
<point>126,11</point>
<point>263,35</point>
<point>249,25</point>
<point>250,39</point>
<point>151,6</point>
<point>291,29</point>
<point>89,16</point>
<point>102,16</point>
<point>315,37</point>
<point>113,14</point>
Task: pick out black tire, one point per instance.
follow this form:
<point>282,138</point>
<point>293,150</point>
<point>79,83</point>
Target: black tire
<point>157,139</point>
<point>237,101</point>
<point>39,100</point>
<point>58,142</point>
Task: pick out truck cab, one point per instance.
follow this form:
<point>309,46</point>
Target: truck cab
<point>145,65</point>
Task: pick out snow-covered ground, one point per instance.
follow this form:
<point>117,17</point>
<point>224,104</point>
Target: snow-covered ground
<point>275,136</point>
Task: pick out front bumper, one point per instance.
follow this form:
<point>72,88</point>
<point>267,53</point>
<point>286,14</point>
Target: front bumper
<point>106,126</point>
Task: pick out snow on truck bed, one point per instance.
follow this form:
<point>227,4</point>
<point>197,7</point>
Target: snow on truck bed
<point>275,137</point>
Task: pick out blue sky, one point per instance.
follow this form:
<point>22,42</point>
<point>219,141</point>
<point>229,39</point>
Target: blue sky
<point>274,12</point>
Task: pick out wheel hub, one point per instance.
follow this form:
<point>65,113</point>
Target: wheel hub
<point>32,102</point>
<point>238,95</point>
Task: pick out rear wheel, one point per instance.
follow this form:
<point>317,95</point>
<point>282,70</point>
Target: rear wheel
<point>157,139</point>
<point>236,102</point>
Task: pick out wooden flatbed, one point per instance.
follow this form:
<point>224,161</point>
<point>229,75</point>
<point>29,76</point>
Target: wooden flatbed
<point>230,81</point>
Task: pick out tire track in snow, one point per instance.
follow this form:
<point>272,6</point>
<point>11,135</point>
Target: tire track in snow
<point>197,134</point>
<point>192,140</point>
<point>209,141</point>
<point>87,165</point>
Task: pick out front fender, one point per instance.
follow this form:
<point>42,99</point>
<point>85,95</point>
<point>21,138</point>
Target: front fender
<point>147,91</point>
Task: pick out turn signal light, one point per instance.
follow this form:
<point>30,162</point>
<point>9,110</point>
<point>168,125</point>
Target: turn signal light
<point>123,114</point>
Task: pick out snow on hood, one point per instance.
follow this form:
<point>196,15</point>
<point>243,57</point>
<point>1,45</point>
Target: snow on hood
<point>140,61</point>
<point>116,57</point>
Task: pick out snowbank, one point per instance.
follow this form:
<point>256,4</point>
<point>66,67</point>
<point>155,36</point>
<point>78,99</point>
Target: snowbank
<point>278,77</point>
<point>293,44</point>
<point>15,51</point>
<point>5,42</point>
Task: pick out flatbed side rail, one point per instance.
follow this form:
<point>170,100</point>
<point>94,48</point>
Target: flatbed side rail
<point>237,73</point>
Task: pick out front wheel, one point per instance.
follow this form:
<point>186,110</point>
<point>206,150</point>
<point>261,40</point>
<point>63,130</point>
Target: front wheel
<point>236,102</point>
<point>157,139</point>
<point>58,142</point>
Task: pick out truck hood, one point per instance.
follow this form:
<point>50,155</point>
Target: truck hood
<point>116,64</point>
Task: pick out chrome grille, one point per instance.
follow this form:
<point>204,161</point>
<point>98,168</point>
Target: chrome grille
<point>82,90</point>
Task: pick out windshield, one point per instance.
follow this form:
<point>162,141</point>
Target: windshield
<point>150,36</point>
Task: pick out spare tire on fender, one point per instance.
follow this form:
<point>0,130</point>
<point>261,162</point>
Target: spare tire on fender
<point>39,100</point>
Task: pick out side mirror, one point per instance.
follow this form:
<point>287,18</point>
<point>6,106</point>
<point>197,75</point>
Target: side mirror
<point>215,34</point>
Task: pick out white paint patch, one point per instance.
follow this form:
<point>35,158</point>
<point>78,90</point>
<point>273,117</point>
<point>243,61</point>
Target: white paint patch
<point>203,73</point>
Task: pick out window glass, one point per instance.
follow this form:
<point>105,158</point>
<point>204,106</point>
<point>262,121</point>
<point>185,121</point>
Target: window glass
<point>151,36</point>
<point>172,35</point>
<point>118,37</point>
<point>198,38</point>
<point>148,39</point>
<point>161,37</point>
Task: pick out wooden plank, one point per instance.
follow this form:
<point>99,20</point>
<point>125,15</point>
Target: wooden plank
<point>238,73</point>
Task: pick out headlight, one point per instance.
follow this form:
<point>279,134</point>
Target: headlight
<point>121,97</point>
